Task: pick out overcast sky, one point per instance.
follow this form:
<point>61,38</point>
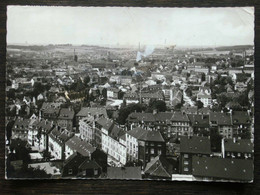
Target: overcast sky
<point>129,26</point>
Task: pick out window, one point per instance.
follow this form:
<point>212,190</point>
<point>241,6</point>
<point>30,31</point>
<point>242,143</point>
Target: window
<point>238,154</point>
<point>152,151</point>
<point>95,171</point>
<point>159,151</point>
<point>70,171</point>
<point>186,169</point>
<point>186,162</point>
<point>186,156</point>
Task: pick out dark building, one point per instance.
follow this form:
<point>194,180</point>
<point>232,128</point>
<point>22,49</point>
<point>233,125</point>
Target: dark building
<point>237,148</point>
<point>241,124</point>
<point>190,147</point>
<point>150,144</point>
<point>159,168</point>
<point>219,169</point>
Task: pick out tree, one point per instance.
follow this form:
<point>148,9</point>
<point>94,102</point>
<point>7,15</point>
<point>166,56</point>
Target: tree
<point>125,111</point>
<point>199,104</point>
<point>158,105</point>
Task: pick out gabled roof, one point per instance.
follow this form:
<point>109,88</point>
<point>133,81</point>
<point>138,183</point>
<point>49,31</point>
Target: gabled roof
<point>149,117</point>
<point>159,167</point>
<point>66,113</point>
<point>89,164</point>
<point>195,145</point>
<point>240,117</point>
<point>124,173</point>
<point>146,135</point>
<point>21,124</point>
<point>116,132</point>
<point>92,111</point>
<point>80,146</point>
<point>220,118</point>
<point>74,160</point>
<point>199,120</point>
<point>223,168</point>
<point>60,135</point>
<point>240,145</point>
<point>105,123</point>
<point>179,117</point>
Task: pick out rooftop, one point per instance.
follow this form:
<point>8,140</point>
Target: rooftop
<point>240,145</point>
<point>146,135</point>
<point>124,173</point>
<point>195,145</point>
<point>223,168</point>
<point>92,111</point>
<point>80,146</point>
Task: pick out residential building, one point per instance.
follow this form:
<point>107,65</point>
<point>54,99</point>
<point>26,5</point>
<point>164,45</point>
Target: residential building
<point>190,147</point>
<point>144,145</point>
<point>159,168</point>
<point>241,124</point>
<point>87,128</point>
<point>76,145</point>
<point>204,98</point>
<point>179,124</point>
<point>96,112</point>
<point>57,139</point>
<point>199,123</point>
<point>222,122</point>
<point>113,141</point>
<point>20,129</point>
<point>65,118</point>
<point>237,148</point>
<point>222,169</point>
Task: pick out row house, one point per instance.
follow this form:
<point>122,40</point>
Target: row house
<point>237,148</point>
<point>76,145</point>
<point>96,112</point>
<point>38,133</point>
<point>241,123</point>
<point>179,124</point>
<point>57,139</point>
<point>191,147</point>
<point>147,97</point>
<point>50,110</point>
<point>199,123</point>
<point>78,166</point>
<point>20,129</point>
<point>150,121</point>
<point>222,122</point>
<point>144,145</point>
<point>65,118</point>
<point>87,129</point>
<point>222,169</point>
<point>113,141</point>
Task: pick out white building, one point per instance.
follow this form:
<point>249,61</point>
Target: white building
<point>57,139</point>
<point>86,128</point>
<point>205,99</point>
<point>113,141</point>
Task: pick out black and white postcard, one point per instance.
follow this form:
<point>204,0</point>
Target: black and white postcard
<point>130,93</point>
